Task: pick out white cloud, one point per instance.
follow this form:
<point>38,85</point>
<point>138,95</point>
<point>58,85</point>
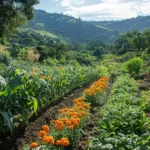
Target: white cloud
<point>110,9</point>
<point>68,3</point>
<point>104,9</point>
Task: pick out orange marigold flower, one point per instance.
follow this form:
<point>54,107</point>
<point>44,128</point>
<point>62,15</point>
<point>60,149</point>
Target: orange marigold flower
<point>75,123</point>
<point>70,127</point>
<point>48,139</point>
<point>70,114</point>
<point>58,142</point>
<point>72,120</point>
<point>34,145</point>
<point>83,113</point>
<point>83,98</point>
<point>78,115</point>
<point>68,123</point>
<point>59,127</point>
<point>65,119</point>
<point>59,122</point>
<point>78,120</point>
<point>45,128</point>
<point>64,142</point>
<point>42,133</point>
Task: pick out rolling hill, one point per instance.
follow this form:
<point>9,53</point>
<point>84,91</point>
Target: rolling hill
<point>70,27</point>
<point>65,28</point>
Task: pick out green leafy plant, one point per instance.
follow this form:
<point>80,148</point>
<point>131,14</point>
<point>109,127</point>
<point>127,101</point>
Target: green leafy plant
<point>123,123</point>
<point>5,57</point>
<point>134,65</point>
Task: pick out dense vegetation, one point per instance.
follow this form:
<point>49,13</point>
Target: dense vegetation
<point>54,54</point>
<point>13,14</point>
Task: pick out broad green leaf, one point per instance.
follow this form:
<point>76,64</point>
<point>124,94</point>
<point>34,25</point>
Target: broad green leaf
<point>7,116</point>
<point>35,102</point>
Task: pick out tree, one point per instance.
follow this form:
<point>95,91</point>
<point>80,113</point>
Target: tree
<point>99,51</point>
<point>93,44</point>
<point>14,13</point>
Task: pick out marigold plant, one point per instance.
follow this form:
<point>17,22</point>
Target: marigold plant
<point>96,93</point>
<point>65,130</point>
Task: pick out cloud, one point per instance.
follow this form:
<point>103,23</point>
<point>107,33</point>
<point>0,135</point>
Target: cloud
<point>110,9</point>
<point>104,9</point>
<point>68,3</point>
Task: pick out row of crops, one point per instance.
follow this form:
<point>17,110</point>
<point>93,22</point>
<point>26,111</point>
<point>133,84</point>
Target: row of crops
<point>67,128</point>
<point>123,124</point>
<point>24,93</point>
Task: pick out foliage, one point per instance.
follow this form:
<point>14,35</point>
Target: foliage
<point>13,14</point>
<point>104,70</point>
<point>134,65</point>
<point>27,92</point>
<point>5,57</point>
<point>145,98</point>
<point>95,44</point>
<point>61,24</point>
<point>3,69</point>
<point>123,123</point>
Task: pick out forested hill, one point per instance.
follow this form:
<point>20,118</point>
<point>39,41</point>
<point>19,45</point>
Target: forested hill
<point>65,26</point>
<point>138,23</point>
<point>70,27</point>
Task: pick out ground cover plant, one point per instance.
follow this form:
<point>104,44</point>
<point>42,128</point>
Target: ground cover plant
<point>123,123</point>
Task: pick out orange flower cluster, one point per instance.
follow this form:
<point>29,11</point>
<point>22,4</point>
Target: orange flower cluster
<point>45,77</point>
<point>48,139</point>
<point>70,118</point>
<point>63,142</point>
<point>97,86</point>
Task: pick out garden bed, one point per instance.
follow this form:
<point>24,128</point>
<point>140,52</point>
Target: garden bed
<point>29,133</point>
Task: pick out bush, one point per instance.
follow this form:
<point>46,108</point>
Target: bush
<point>5,57</point>
<point>3,69</point>
<point>134,65</point>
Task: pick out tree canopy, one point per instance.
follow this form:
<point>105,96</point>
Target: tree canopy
<point>14,13</point>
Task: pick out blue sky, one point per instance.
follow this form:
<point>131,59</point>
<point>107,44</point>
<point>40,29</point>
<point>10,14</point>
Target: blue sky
<point>97,9</point>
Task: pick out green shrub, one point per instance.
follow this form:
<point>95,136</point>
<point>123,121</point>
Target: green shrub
<point>5,57</point>
<point>134,65</point>
<point>103,70</point>
<point>3,69</point>
<point>51,61</point>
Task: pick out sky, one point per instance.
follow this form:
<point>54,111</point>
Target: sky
<point>97,10</point>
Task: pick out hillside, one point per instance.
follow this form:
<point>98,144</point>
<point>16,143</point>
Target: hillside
<point>139,23</point>
<point>70,27</point>
<point>59,28</point>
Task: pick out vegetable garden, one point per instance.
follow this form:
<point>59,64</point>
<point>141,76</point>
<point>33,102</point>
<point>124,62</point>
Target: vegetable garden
<point>46,108</point>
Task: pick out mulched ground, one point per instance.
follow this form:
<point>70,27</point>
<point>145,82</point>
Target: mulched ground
<point>29,133</point>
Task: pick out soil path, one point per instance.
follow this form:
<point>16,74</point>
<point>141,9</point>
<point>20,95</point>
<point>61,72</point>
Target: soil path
<point>29,133</point>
